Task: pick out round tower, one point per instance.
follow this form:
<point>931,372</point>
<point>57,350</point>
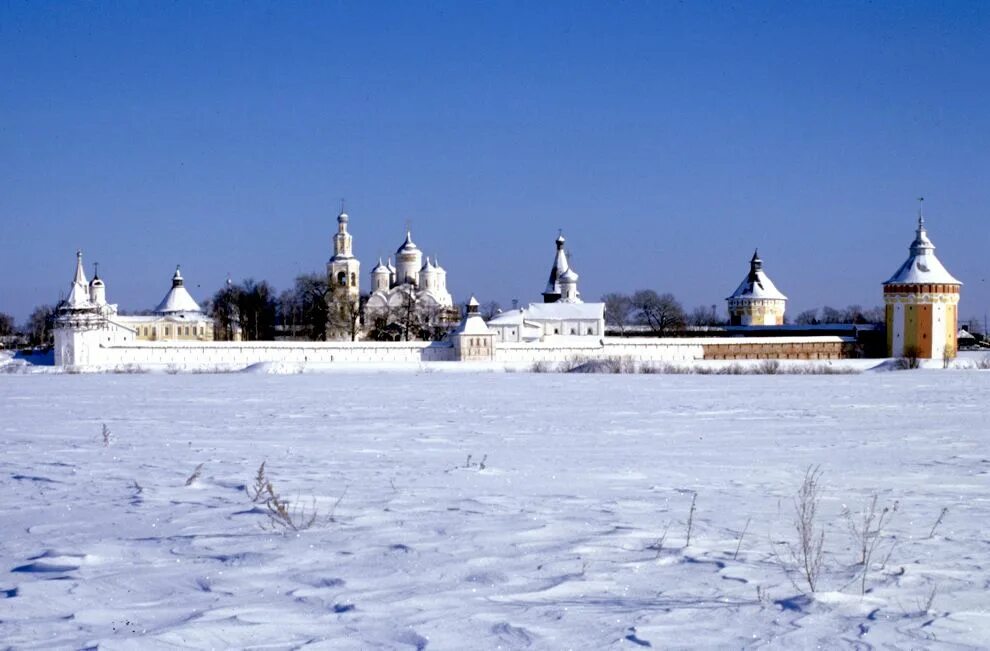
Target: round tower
<point>921,301</point>
<point>757,301</point>
<point>97,289</point>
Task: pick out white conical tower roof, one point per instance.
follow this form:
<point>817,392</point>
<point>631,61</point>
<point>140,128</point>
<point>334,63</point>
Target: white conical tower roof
<point>177,299</point>
<point>757,284</point>
<point>79,294</point>
<point>922,267</point>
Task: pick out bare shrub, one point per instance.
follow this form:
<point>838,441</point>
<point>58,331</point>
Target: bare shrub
<point>690,522</point>
<point>808,553</point>
<point>983,363</point>
<point>768,367</point>
<point>195,475</point>
<point>658,543</point>
<point>259,491</point>
<point>741,536</point>
<point>925,605</point>
<point>867,532</point>
<point>941,516</point>
<point>107,436</point>
<point>948,354</point>
<point>543,366</point>
<point>909,360</point>
<point>282,514</point>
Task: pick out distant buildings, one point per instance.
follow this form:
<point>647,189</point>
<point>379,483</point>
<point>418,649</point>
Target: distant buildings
<point>85,321</point>
<point>921,301</point>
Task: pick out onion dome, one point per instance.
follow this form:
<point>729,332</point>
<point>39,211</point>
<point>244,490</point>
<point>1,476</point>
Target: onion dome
<point>342,218</point>
<point>380,268</point>
<point>408,246</point>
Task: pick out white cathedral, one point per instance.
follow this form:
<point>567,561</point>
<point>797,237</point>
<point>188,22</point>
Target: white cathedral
<point>412,283</point>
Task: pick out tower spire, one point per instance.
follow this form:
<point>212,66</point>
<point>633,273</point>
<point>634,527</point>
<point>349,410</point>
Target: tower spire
<point>921,212</point>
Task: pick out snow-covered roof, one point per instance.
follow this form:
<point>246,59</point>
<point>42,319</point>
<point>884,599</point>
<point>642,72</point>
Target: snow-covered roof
<point>558,269</point>
<point>922,267</point>
<point>965,334</point>
<point>472,323</point>
<point>177,299</point>
<point>565,311</point>
<point>757,284</point>
<point>408,245</point>
<point>380,268</point>
<point>507,318</point>
<point>79,294</point>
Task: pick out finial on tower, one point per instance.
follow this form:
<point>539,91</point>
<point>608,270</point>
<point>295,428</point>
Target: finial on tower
<point>921,212</point>
<point>96,270</point>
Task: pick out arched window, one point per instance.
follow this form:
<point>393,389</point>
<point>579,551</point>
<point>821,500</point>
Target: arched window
<point>342,279</point>
<point>353,280</point>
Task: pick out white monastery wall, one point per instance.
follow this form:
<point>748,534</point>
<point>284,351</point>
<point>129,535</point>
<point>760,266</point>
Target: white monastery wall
<point>241,354</point>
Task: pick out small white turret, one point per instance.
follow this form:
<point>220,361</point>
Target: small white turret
<point>428,276</point>
<point>473,340</point>
<point>97,289</point>
<point>380,277</point>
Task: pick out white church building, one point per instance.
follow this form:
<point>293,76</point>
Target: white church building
<point>412,280</point>
<point>562,313</point>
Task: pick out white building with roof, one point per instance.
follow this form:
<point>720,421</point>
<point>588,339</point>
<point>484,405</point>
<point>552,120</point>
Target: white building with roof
<point>411,284</point>
<point>757,301</point>
<point>85,321</point>
<point>473,340</point>
<point>562,314</point>
<point>921,301</point>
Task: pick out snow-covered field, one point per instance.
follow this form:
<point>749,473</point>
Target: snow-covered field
<point>552,544</point>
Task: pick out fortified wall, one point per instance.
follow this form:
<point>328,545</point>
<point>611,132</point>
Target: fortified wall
<point>183,355</point>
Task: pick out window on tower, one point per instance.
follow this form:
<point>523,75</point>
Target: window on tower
<point>342,279</point>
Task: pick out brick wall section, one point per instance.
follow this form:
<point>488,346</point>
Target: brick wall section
<point>808,350</point>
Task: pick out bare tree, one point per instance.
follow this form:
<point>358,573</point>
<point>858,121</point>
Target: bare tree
<point>6,324</point>
<point>489,310</point>
<point>618,310</point>
<point>808,317</point>
<point>660,312</point>
<point>705,316</point>
<point>39,325</point>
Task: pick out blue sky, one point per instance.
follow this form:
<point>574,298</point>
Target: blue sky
<point>666,139</point>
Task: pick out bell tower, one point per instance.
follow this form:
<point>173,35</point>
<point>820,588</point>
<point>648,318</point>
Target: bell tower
<point>343,269</point>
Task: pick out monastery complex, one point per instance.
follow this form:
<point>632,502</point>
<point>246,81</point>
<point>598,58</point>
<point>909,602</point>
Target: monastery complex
<point>920,299</point>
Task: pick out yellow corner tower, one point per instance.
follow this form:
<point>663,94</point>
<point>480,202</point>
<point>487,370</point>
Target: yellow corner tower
<point>921,302</point>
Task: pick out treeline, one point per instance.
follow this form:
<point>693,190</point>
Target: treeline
<point>312,309</point>
<point>850,314</point>
<point>36,331</point>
